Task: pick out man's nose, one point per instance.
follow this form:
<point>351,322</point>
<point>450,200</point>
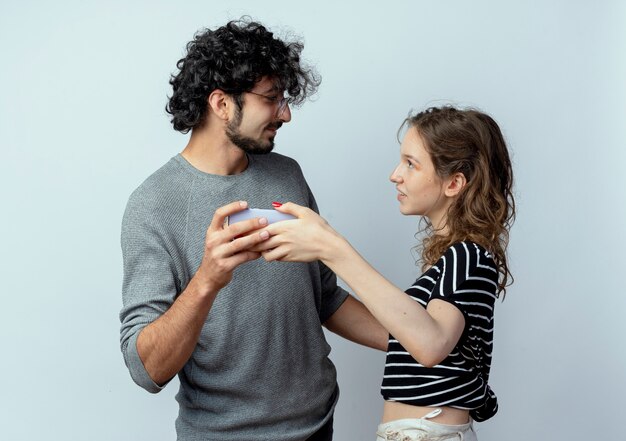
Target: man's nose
<point>285,115</point>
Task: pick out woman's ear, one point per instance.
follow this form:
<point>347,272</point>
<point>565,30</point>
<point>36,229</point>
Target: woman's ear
<point>218,103</point>
<point>455,184</point>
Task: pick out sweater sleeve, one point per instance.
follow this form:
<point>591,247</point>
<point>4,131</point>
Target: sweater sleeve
<point>149,284</point>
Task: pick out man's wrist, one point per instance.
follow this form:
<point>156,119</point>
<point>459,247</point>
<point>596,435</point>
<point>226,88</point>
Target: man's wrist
<point>203,287</point>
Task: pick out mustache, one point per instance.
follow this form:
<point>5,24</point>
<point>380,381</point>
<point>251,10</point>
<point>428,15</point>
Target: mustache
<point>275,126</point>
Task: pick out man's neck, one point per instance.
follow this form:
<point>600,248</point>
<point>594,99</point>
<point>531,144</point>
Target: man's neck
<point>214,153</point>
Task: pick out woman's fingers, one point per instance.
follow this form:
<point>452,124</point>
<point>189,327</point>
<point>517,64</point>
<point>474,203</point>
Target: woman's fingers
<point>298,211</point>
<point>267,244</point>
<point>274,254</point>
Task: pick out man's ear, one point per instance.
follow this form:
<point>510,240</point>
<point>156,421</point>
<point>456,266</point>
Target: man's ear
<point>218,103</point>
<point>455,184</point>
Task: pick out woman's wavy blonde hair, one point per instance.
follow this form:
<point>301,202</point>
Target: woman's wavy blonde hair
<point>470,142</point>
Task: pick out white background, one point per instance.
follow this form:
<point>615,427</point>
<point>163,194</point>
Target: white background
<point>82,123</point>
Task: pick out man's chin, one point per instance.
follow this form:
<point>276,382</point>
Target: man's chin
<point>253,147</point>
<point>258,149</point>
<point>263,151</point>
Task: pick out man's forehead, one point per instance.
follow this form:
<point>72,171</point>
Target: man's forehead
<point>267,84</point>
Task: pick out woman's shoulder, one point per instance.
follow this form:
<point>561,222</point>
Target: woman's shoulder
<point>466,268</point>
<point>468,255</point>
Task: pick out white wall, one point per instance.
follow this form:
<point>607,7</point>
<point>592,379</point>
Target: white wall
<point>82,123</point>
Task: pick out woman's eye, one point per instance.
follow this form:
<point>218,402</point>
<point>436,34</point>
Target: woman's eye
<point>409,164</point>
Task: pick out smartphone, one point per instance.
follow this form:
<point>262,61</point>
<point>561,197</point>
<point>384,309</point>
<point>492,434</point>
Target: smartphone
<point>271,215</point>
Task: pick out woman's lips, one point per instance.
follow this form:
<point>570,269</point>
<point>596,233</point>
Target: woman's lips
<point>400,195</point>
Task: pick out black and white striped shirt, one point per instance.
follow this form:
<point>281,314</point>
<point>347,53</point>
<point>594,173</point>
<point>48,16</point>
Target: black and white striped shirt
<point>465,276</point>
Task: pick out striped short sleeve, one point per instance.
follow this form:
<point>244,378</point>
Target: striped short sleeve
<point>468,280</point>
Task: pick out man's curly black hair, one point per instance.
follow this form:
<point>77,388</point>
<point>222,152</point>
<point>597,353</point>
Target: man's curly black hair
<point>233,58</point>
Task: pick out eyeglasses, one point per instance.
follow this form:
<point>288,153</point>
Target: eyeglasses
<point>279,101</point>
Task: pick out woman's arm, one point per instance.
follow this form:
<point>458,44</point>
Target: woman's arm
<point>429,335</point>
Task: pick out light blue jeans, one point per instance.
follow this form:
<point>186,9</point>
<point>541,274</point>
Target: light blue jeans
<point>421,429</point>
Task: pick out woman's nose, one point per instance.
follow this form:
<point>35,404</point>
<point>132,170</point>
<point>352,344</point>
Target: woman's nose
<point>395,176</point>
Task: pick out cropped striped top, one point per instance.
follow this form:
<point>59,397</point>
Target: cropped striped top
<point>465,276</point>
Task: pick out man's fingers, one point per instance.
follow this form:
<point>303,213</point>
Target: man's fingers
<point>247,243</point>
<point>243,227</point>
<point>243,257</point>
<point>221,213</point>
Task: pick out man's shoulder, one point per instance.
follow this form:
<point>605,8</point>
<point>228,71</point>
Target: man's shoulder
<point>162,188</point>
<point>277,165</point>
<point>276,160</point>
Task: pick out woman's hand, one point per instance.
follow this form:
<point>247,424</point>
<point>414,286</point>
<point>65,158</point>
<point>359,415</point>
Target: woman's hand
<point>305,239</point>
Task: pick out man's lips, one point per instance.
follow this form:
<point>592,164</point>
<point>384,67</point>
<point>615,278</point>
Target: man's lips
<point>274,127</point>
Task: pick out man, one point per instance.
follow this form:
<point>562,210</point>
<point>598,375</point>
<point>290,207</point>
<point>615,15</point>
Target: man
<point>242,334</point>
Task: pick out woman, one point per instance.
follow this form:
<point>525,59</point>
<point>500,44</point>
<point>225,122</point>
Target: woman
<point>455,171</point>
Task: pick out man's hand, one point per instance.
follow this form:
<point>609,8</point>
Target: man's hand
<point>227,247</point>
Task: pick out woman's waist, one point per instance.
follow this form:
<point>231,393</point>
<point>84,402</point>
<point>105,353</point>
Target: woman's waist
<point>395,410</point>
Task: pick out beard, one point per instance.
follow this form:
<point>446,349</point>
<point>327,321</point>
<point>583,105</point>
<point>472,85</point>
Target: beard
<point>245,143</point>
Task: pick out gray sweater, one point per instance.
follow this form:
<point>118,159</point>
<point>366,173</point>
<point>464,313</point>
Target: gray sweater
<point>260,370</point>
